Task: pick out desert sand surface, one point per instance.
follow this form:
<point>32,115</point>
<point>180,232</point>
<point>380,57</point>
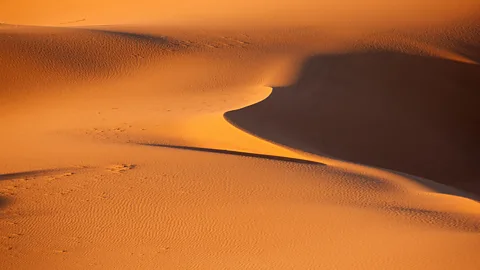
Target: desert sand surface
<point>239,135</point>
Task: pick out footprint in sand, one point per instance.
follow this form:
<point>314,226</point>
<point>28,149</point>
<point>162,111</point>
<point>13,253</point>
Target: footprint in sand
<point>120,168</point>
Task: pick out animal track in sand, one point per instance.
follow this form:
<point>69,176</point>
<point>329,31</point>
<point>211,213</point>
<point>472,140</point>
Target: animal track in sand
<point>58,176</point>
<point>115,133</point>
<point>120,168</point>
<point>12,236</point>
<point>226,42</point>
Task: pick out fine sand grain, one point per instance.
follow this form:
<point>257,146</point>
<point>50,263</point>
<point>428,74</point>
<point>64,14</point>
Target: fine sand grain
<point>239,135</point>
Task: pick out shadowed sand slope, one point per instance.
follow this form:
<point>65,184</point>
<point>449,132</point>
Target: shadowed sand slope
<point>20,175</point>
<point>408,113</point>
<point>235,153</point>
<point>3,202</point>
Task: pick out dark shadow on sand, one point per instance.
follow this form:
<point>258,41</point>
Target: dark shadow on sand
<point>4,202</point>
<point>27,174</point>
<point>413,114</point>
<point>235,153</point>
<point>139,37</point>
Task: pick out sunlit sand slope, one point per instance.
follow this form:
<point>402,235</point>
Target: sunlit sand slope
<point>205,135</point>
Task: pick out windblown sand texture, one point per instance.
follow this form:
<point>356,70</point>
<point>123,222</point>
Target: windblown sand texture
<point>239,134</point>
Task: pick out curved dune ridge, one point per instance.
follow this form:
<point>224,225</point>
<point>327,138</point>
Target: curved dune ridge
<point>404,112</point>
<point>166,135</point>
<point>54,56</point>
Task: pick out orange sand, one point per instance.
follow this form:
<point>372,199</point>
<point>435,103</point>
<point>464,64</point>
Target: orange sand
<point>247,135</point>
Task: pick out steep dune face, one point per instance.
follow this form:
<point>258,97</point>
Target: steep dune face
<point>94,81</point>
<point>407,113</point>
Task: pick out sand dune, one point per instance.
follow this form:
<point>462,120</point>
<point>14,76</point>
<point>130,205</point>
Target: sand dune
<point>219,135</point>
<point>405,113</point>
<point>57,57</point>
